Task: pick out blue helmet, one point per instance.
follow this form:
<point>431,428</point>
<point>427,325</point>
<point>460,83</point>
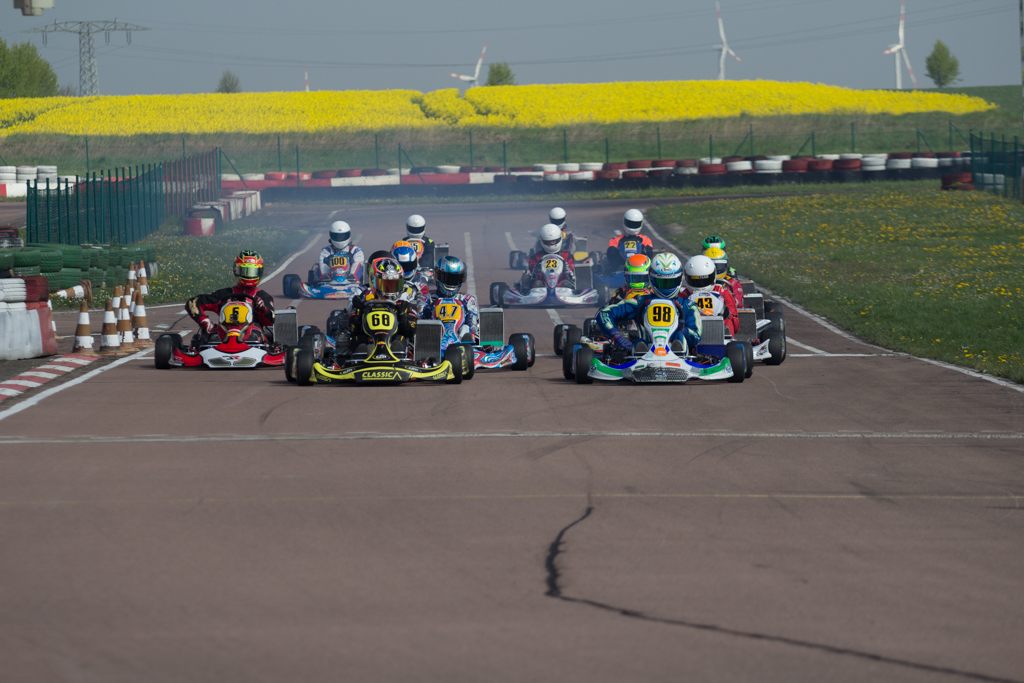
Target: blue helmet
<point>449,275</point>
<point>407,256</point>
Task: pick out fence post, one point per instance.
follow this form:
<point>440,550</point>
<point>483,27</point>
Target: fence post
<point>78,212</point>
<point>659,141</point>
<point>751,139</point>
<point>298,176</point>
<point>813,154</point>
<point>853,137</point>
<point>470,148</point>
<point>565,145</point>
<point>182,147</point>
<point>60,218</point>
<point>606,158</point>
<point>280,168</point>
<point>87,156</point>
<point>711,148</point>
<point>399,163</point>
<point>376,150</point>
<point>504,155</point>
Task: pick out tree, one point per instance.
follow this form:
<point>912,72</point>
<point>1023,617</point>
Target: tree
<point>69,90</point>
<point>942,66</point>
<point>500,74</point>
<point>24,73</point>
<point>229,82</point>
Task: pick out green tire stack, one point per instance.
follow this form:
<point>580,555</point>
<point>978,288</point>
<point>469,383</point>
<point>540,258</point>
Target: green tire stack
<point>6,259</point>
<point>50,263</point>
<point>26,262</point>
<point>98,270</point>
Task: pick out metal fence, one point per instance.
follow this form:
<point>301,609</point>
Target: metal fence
<point>996,164</point>
<point>122,205</point>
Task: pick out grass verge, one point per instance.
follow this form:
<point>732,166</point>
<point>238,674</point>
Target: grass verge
<point>935,274</point>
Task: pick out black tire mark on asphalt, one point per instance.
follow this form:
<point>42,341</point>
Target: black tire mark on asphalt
<point>271,409</point>
<point>554,590</point>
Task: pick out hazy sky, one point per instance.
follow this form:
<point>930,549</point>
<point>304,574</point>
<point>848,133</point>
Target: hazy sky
<point>414,44</point>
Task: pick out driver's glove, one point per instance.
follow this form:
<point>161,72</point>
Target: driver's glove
<point>621,341</point>
<point>206,325</point>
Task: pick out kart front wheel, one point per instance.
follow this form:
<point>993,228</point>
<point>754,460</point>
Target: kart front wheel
<point>520,344</point>
<point>514,259</point>
<point>533,349</point>
<point>748,348</point>
<point>776,347</point>
<point>304,367</point>
<point>469,369</point>
<point>290,286</point>
<point>778,320</point>
<point>289,363</point>
<point>453,354</point>
<point>572,338</point>
<point>738,360</point>
<point>163,351</point>
<point>583,357</point>
<point>559,338</point>
<point>497,292</point>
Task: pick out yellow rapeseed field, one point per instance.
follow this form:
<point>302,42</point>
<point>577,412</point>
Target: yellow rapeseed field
<point>504,106</point>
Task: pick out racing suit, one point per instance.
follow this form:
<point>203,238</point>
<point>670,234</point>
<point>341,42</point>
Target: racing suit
<point>472,309</point>
<point>735,286</point>
<point>531,277</point>
<point>731,315</point>
<point>355,260</point>
<point>406,318</point>
<point>626,292</point>
<point>688,330</point>
<point>568,244</point>
<point>640,244</point>
<point>427,255</point>
<point>417,293</point>
<point>205,308</point>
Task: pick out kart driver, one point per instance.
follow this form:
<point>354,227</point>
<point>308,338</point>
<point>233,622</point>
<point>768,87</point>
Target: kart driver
<point>629,240</point>
<point>340,244</point>
<point>449,276</point>
<point>386,284</point>
<point>556,217</point>
<point>205,308</point>
<point>722,269</point>
<point>552,241</point>
<point>701,277</point>
<point>716,241</point>
<point>416,232</point>
<point>637,273</point>
<point>666,279</point>
<point>416,290</point>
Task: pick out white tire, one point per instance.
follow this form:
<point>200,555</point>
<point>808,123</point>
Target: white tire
<point>898,163</point>
<point>546,168</point>
<point>556,176</point>
<point>687,170</point>
<point>831,157</point>
<point>710,160</point>
<point>591,166</point>
<point>851,156</point>
<point>582,175</point>
<point>779,157</point>
<point>768,165</point>
<point>737,166</point>
<point>924,162</point>
<point>448,169</point>
<point>567,168</point>
<point>252,176</point>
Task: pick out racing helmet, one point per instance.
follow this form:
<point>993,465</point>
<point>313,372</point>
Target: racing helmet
<point>387,279</point>
<point>666,275</point>
<point>416,226</point>
<point>449,275</point>
<point>556,216</point>
<point>632,221</point>
<point>340,235</point>
<point>713,241</point>
<point>637,271</point>
<point>551,238</point>
<point>407,256</point>
<point>248,268</point>
<point>700,273</point>
<point>720,259</point>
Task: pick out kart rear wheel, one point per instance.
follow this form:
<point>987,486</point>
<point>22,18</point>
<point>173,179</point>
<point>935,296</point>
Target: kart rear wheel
<point>520,344</point>
<point>738,360</point>
<point>749,359</point>
<point>572,338</point>
<point>289,363</point>
<point>164,350</point>
<point>313,341</point>
<point>602,293</point>
<point>776,347</point>
<point>778,320</point>
<point>453,354</point>
<point>533,349</point>
<point>567,367</point>
<point>559,338</point>
<point>290,285</point>
<point>583,356</point>
<point>513,259</point>
<point>304,367</point>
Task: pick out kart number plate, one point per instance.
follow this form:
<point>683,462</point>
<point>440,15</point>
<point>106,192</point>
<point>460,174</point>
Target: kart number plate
<point>631,247</point>
<point>661,315</point>
<point>339,261</point>
<point>448,312</point>
<point>236,314</point>
<point>551,263</point>
<point>380,321</point>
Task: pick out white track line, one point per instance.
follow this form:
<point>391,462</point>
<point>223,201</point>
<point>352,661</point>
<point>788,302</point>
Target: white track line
<point>29,402</point>
<point>846,335</point>
<point>511,243</point>
<point>470,281</point>
<point>553,314</point>
<point>288,261</point>
<point>617,232</point>
<point>790,340</point>
<point>332,214</point>
<point>929,436</point>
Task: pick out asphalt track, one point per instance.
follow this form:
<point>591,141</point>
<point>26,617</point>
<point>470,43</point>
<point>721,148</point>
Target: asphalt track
<point>847,516</point>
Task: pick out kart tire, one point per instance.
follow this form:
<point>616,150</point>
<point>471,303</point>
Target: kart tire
<point>289,360</point>
<point>572,338</point>
<point>776,347</point>
<point>520,344</point>
<point>588,327</point>
<point>602,294</point>
<point>533,349</point>
<point>513,259</point>
<point>583,356</point>
<point>749,359</point>
<point>738,360</point>
<point>290,285</point>
<point>498,290</point>
<point>559,336</point>
<point>778,321</point>
<point>163,351</point>
<point>304,367</point>
<point>469,369</point>
<point>453,354</point>
<point>309,341</point>
<point>177,340</point>
<point>567,367</point>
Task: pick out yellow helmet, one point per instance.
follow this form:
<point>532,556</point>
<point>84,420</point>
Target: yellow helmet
<point>721,260</point>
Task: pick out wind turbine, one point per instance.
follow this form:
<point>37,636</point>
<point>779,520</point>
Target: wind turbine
<point>724,46</point>
<point>472,80</point>
<point>899,49</point>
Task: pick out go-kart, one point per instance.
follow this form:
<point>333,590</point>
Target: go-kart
<point>556,290</point>
<point>390,360</point>
<point>586,358</point>
<point>339,282</point>
<point>608,278</point>
<point>489,351</point>
<point>762,319</point>
<point>235,343</point>
<point>517,260</point>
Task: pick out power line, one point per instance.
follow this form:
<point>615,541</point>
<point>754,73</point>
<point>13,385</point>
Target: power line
<point>88,70</point>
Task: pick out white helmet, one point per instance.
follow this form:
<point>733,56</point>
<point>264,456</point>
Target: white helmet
<point>556,216</point>
<point>666,274</point>
<point>700,273</point>
<point>632,221</point>
<point>551,238</point>
<point>416,226</point>
<point>340,234</point>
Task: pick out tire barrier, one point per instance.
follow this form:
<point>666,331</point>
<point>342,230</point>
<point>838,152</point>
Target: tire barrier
<point>898,163</point>
<point>616,166</point>
<point>819,165</point>
<point>607,175</point>
<point>741,166</point>
<point>471,169</point>
<point>846,165</point>
<point>505,178</point>
<point>901,155</point>
<point>320,175</point>
<point>712,169</point>
<point>591,166</point>
<point>710,160</point>
<point>26,322</point>
<point>373,172</point>
<point>545,168</point>
<point>635,173</point>
<point>768,166</point>
<point>567,168</point>
<point>924,162</point>
<point>663,163</point>
<point>686,170</point>
<point>346,173</point>
<point>275,175</point>
<point>660,172</point>
<point>794,166</point>
<point>638,164</point>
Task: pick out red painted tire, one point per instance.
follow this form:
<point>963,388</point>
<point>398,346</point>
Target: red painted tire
<point>320,175</point>
<point>275,175</point>
<point>471,169</point>
<point>639,163</point>
<point>494,169</point>
<point>634,174</point>
<point>607,175</point>
<point>349,173</point>
<point>521,169</point>
<point>956,178</point>
<point>794,166</point>
<point>756,157</point>
<point>663,163</point>
<point>819,165</point>
<point>924,155</point>
<point>901,155</point>
<point>712,169</point>
<point>729,160</point>
<point>616,166</point>
<point>947,155</point>
<point>846,165</point>
<point>660,172</point>
<point>960,186</point>
<point>502,178</point>
<point>373,171</point>
<point>686,163</point>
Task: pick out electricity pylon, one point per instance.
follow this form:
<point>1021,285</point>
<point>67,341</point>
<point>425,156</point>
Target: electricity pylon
<point>88,71</point>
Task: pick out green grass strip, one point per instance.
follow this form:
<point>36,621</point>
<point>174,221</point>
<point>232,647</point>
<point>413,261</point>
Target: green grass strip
<point>935,274</point>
